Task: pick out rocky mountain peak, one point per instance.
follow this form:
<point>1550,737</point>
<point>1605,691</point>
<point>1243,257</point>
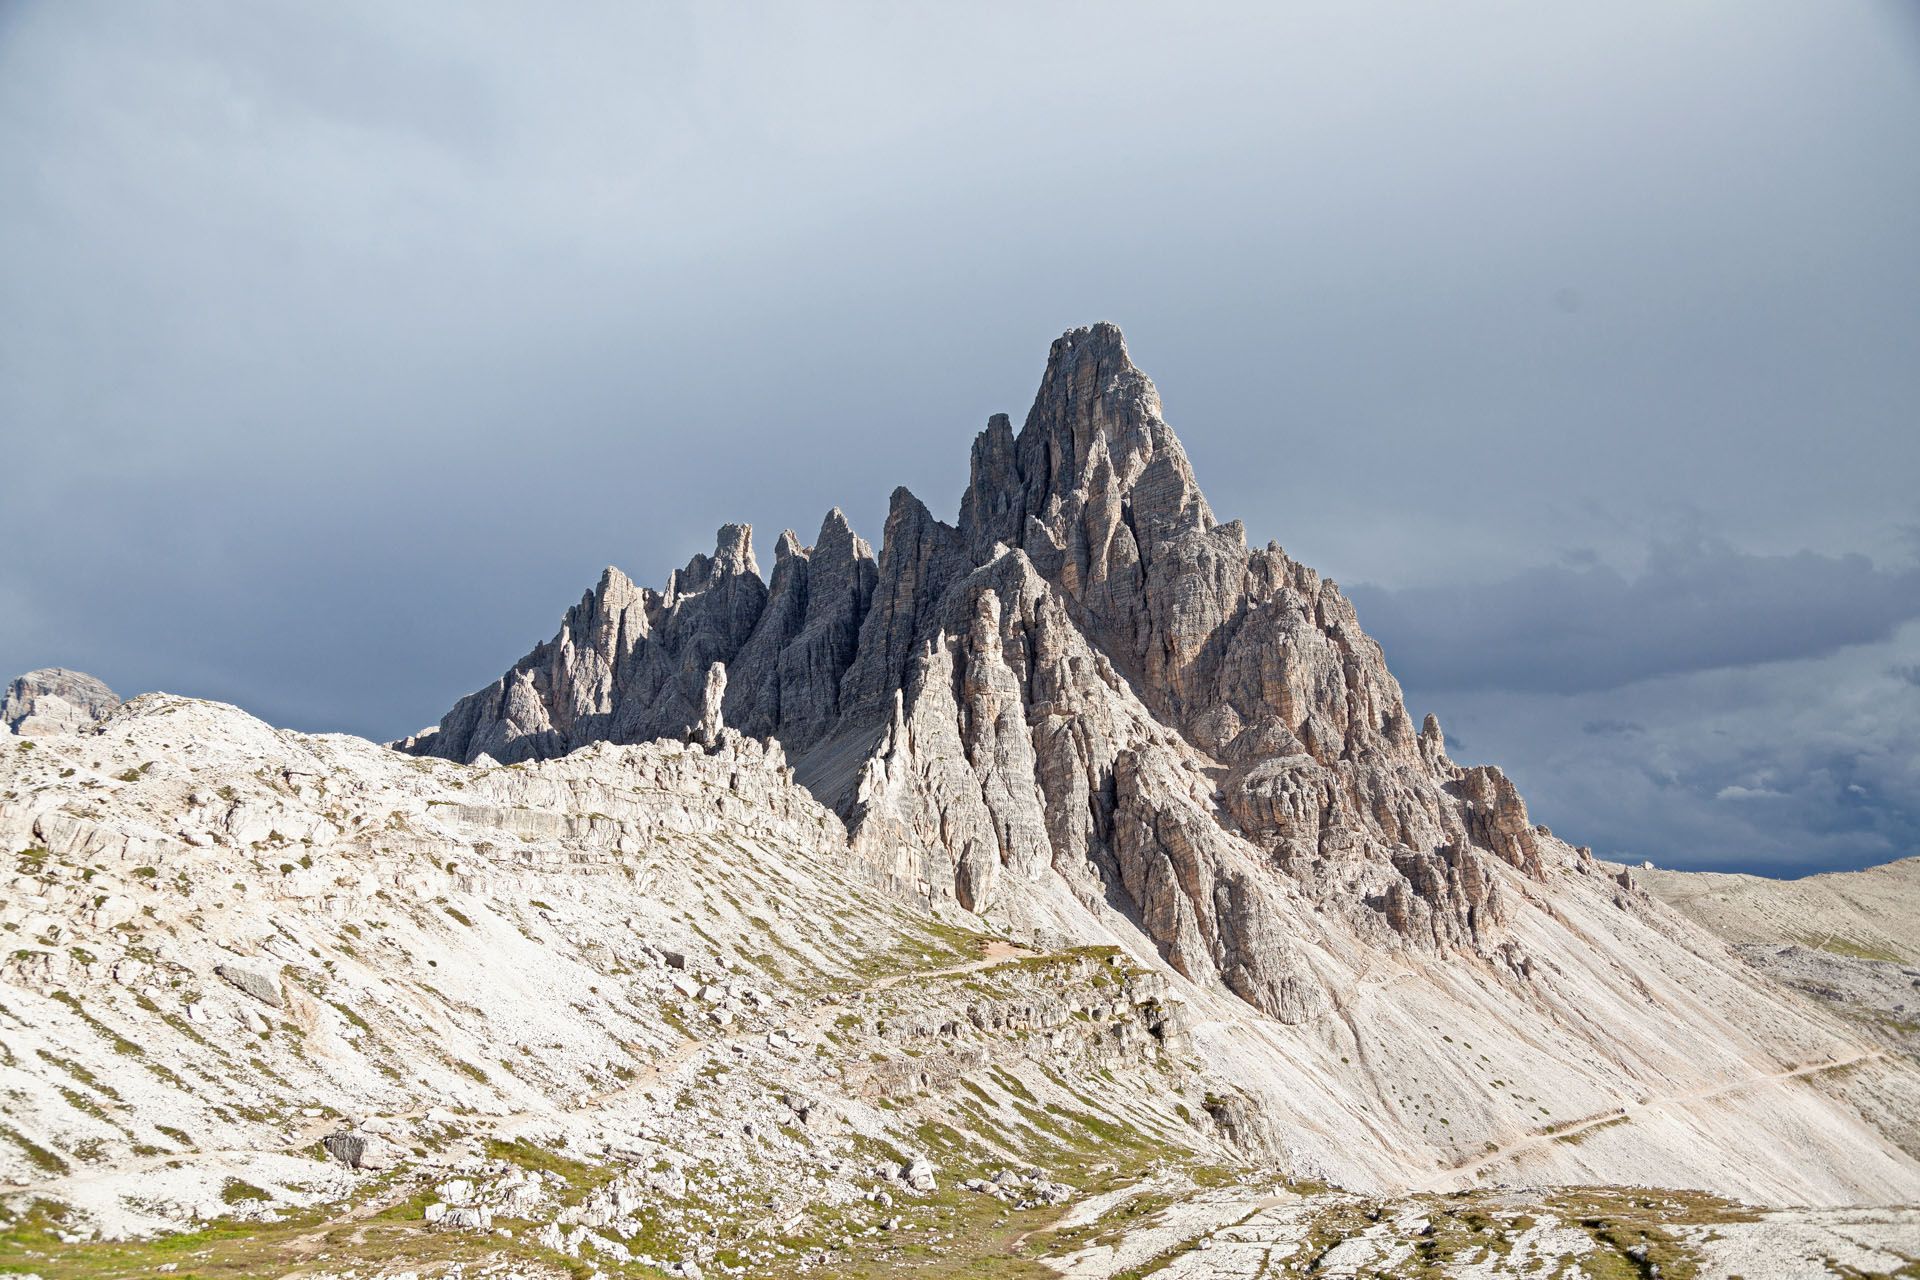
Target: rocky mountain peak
<point>1087,690</point>
<point>1078,806</point>
<point>55,700</point>
<point>732,558</point>
<point>1094,439</point>
<point>834,528</point>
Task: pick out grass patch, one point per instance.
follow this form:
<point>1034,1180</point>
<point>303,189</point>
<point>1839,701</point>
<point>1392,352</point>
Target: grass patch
<point>120,1043</point>
<point>1578,1136</point>
<point>37,1156</point>
<point>1836,945</point>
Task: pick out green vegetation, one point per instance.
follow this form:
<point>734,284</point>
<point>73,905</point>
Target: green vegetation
<point>119,1042</point>
<point>1836,945</point>
<point>1578,1135</point>
<point>37,1156</point>
<point>392,1237</point>
<point>80,1073</point>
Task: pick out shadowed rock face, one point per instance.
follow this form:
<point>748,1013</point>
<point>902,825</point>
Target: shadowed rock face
<point>55,700</point>
<point>1089,684</point>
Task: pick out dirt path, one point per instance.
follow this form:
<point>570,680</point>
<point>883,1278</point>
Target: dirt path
<point>1446,1178</point>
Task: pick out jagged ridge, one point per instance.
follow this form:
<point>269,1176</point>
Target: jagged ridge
<point>1091,714</point>
<point>1089,682</point>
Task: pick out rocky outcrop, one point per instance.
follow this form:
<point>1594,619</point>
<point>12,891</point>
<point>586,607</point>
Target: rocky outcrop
<point>268,946</point>
<point>1089,688</point>
<point>785,681</point>
<point>258,985</point>
<point>712,715</point>
<point>631,664</point>
<point>56,700</point>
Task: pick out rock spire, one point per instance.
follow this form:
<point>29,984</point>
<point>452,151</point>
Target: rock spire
<point>1088,687</point>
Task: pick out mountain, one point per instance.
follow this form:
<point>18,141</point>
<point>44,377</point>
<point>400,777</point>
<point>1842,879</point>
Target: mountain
<point>55,700</point>
<point>1088,690</point>
<point>1063,891</point>
<point>1868,914</point>
<point>640,1003</point>
<point>1850,939</point>
<point>1091,711</point>
<point>284,1004</point>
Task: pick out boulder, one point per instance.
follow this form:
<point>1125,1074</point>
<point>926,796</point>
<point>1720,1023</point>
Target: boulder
<point>262,988</point>
<point>358,1149</point>
<point>919,1174</point>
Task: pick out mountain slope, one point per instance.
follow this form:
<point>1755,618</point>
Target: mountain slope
<point>1090,712</point>
<point>1873,913</point>
<point>260,973</point>
<point>645,1010</point>
<point>1849,939</point>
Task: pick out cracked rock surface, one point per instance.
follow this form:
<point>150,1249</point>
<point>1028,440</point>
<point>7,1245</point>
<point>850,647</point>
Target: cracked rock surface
<point>1090,684</point>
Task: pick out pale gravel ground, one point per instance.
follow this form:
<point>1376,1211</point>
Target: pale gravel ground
<point>1876,908</point>
<point>518,918</point>
<point>1235,1234</point>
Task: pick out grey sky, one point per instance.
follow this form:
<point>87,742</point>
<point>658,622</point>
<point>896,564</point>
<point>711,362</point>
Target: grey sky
<point>342,345</point>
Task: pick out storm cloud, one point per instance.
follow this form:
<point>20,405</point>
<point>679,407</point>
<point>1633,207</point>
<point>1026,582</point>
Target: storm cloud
<point>1790,767</point>
<point>342,345</point>
<point>1694,606</point>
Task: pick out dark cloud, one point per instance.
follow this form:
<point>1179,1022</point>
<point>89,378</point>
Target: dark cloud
<point>1698,604</point>
<point>1802,766</point>
<point>1719,709</point>
<point>341,346</point>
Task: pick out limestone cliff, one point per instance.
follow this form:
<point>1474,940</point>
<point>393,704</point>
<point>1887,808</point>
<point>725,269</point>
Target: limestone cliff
<point>1089,689</point>
<point>55,700</point>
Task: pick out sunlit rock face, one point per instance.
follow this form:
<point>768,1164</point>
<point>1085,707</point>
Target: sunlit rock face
<point>1090,681</point>
<point>1078,806</point>
<point>55,700</point>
